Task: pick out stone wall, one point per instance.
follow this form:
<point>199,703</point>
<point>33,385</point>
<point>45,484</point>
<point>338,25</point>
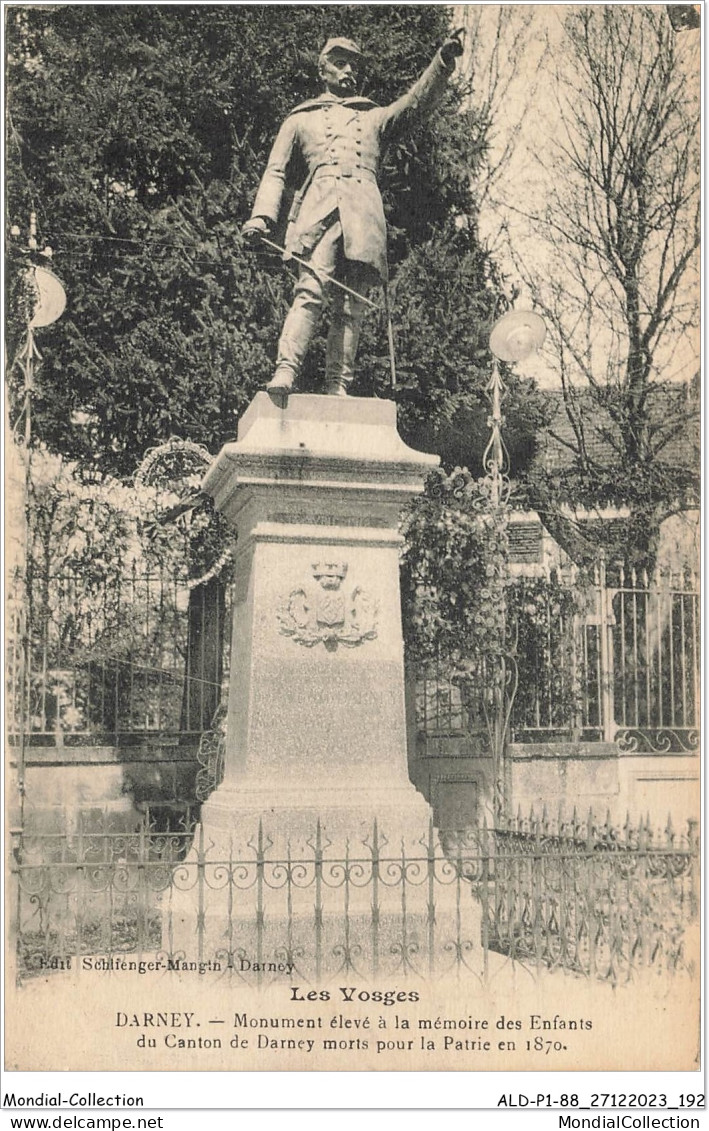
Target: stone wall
<point>63,784</point>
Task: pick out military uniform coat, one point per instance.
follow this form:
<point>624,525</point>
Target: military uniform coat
<point>329,149</point>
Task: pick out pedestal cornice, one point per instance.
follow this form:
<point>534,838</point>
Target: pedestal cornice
<point>318,444</point>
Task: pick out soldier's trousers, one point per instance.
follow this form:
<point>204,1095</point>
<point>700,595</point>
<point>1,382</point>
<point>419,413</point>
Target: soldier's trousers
<point>311,292</point>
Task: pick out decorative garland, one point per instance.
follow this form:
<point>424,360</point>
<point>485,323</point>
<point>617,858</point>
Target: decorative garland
<point>171,447</point>
<point>154,472</point>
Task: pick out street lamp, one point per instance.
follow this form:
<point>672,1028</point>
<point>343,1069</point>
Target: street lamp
<point>514,337</point>
<point>46,303</point>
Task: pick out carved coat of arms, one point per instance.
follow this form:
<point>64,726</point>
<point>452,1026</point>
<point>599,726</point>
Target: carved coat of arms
<point>325,613</point>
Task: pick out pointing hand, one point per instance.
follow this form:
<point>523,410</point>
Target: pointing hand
<point>453,46</point>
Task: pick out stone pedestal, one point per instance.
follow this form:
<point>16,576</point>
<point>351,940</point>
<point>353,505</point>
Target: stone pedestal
<point>314,857</point>
<point>316,724</point>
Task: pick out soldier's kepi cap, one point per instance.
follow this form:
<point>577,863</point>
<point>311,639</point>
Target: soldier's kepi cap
<point>342,44</point>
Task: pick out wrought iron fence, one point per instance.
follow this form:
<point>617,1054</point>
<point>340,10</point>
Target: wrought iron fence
<point>654,645</point>
<point>576,895</point>
<point>94,659</point>
<point>624,668</point>
<point>592,898</point>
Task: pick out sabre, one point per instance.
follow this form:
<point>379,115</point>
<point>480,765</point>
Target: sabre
<point>390,338</point>
<point>317,271</point>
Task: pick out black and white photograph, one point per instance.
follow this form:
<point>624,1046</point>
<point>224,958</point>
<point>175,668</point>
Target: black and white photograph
<point>352,555</point>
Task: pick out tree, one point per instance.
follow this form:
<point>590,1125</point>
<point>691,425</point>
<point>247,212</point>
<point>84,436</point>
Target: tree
<point>139,134</point>
<point>620,290</point>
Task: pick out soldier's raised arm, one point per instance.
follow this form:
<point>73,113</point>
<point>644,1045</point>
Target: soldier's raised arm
<point>426,91</point>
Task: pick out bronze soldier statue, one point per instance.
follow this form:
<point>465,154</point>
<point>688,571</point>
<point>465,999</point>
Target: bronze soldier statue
<point>331,148</point>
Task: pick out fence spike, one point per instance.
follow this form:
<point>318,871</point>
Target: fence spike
<point>643,833</point>
<point>669,829</point>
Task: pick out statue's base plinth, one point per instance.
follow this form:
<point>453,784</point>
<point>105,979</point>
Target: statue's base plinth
<point>292,816</point>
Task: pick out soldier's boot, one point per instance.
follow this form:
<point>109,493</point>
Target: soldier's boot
<point>297,333</point>
<point>283,378</point>
<point>342,341</point>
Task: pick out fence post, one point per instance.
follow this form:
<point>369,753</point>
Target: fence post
<point>431,908</point>
<point>485,896</point>
<point>141,893</point>
<point>260,868</point>
<point>318,910</point>
<point>200,893</point>
<point>693,839</point>
<point>606,649</point>
<point>538,910</point>
<point>13,956</point>
<point>348,964</point>
<point>404,920</point>
<point>80,891</point>
<point>587,893</point>
<point>375,897</point>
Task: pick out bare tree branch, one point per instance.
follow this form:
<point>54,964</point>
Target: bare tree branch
<point>622,224</point>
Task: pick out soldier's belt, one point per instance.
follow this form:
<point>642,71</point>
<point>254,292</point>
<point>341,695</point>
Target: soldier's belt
<point>338,169</point>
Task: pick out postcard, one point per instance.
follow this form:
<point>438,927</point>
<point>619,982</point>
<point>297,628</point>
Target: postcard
<point>352,502</point>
